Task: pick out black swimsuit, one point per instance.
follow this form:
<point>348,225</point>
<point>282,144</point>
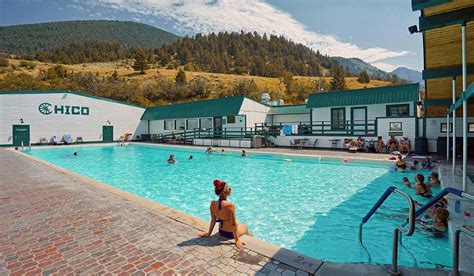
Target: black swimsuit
<point>223,233</point>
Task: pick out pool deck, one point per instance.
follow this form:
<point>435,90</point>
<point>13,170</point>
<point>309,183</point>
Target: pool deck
<point>53,221</point>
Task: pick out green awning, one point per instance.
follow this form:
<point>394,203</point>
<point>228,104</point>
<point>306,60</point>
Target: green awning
<point>289,109</point>
<point>446,72</point>
<point>208,108</point>
<point>423,4</point>
<point>366,96</point>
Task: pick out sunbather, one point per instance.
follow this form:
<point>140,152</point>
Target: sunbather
<point>392,144</point>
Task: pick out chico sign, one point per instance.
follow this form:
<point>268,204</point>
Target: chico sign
<point>47,108</point>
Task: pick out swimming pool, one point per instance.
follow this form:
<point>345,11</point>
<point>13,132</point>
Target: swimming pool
<point>299,203</point>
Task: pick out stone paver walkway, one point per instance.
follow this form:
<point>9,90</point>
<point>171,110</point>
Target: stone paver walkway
<point>51,223</point>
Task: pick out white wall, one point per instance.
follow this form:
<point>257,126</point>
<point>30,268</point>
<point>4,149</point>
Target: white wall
<point>124,118</point>
<point>288,118</point>
<point>255,112</point>
<point>433,130</point>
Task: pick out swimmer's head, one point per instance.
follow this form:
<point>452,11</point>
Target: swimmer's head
<point>405,179</point>
<point>435,175</point>
<point>190,157</point>
<point>442,214</point>
<point>419,178</point>
<point>221,188</point>
<point>415,162</point>
<point>75,153</point>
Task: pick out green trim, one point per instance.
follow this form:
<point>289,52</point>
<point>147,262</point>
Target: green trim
<point>416,119</point>
<point>289,109</point>
<point>35,92</point>
<point>367,96</point>
<point>388,106</point>
<point>343,121</point>
<point>446,19</point>
<point>446,72</point>
<point>464,96</point>
<point>423,4</point>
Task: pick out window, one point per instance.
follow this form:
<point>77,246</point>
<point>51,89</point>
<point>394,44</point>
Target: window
<point>444,128</point>
<point>231,119</point>
<point>180,124</point>
<point>470,127</point>
<point>206,123</point>
<point>193,123</point>
<point>338,118</point>
<point>169,124</point>
<point>395,126</point>
<point>398,110</point>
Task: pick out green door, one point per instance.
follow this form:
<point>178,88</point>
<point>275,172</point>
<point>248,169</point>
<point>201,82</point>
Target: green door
<point>21,134</point>
<point>107,134</point>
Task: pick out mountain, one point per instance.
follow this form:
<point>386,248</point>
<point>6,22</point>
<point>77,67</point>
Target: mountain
<point>356,65</point>
<point>409,75</point>
<point>29,38</point>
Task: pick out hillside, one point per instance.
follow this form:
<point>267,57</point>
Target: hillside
<point>357,65</point>
<point>29,38</point>
<point>117,80</point>
<point>409,75</point>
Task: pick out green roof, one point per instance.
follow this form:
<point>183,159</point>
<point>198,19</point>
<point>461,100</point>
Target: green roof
<point>208,108</point>
<point>12,92</point>
<point>288,109</point>
<point>366,96</point>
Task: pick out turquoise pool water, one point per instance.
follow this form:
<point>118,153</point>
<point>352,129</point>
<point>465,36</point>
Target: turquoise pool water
<point>305,205</point>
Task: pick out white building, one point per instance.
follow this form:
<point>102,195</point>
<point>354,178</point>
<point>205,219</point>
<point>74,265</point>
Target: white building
<point>338,116</point>
<point>28,116</point>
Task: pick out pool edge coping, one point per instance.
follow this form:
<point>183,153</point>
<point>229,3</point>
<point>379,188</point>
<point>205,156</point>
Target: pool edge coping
<point>283,255</point>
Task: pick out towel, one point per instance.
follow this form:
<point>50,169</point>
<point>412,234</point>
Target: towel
<point>287,129</point>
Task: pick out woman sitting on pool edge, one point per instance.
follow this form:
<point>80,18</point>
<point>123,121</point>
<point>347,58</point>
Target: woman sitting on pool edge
<point>223,211</point>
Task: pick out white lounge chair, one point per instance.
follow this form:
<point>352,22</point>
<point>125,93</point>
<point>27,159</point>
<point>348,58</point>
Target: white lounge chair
<point>67,139</point>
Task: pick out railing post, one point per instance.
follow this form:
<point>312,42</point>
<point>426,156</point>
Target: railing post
<point>394,269</point>
<point>456,252</point>
<point>322,127</point>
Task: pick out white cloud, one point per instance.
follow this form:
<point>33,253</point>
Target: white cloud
<point>206,16</point>
<point>386,66</point>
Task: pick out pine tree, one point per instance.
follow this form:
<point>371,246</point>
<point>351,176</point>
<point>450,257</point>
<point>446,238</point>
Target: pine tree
<point>338,81</point>
<point>140,58</point>
<point>364,77</point>
<point>180,76</point>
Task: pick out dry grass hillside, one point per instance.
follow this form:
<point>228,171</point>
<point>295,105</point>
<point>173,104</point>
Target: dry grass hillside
<point>275,86</point>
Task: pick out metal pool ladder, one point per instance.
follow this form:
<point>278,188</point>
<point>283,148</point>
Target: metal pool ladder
<point>400,228</point>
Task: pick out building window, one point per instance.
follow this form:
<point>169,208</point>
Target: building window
<point>398,110</point>
<point>180,124</point>
<point>444,128</point>
<point>193,123</point>
<point>470,127</point>
<point>206,123</point>
<point>231,119</point>
<point>395,126</point>
<point>338,118</point>
<point>169,124</point>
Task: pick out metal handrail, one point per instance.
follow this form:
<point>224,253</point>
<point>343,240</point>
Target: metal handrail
<point>400,228</point>
<point>467,231</point>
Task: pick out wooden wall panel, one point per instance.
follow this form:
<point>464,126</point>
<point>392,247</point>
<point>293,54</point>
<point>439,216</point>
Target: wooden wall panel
<point>441,88</point>
<point>443,46</point>
<point>451,6</point>
<point>440,111</point>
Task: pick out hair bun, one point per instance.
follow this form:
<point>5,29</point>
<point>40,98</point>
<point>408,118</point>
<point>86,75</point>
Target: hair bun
<point>217,182</point>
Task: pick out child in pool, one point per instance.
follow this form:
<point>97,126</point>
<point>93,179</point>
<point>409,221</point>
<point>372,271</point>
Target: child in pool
<point>400,161</point>
<point>422,189</point>
<point>402,168</point>
<point>407,182</point>
<point>427,165</point>
<point>244,153</point>
<point>414,167</point>
<point>171,160</point>
<point>434,179</point>
<point>190,157</point>
<point>209,150</point>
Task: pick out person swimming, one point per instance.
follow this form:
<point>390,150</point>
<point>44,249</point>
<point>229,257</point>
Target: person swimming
<point>434,179</point>
<point>400,162</point>
<point>406,182</point>
<point>422,189</point>
<point>427,165</point>
<point>209,150</point>
<point>244,153</point>
<point>222,151</point>
<point>171,160</point>
<point>223,212</point>
<point>414,167</point>
<point>75,153</point>
<point>190,157</point>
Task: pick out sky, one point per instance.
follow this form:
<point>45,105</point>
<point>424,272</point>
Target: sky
<point>375,31</point>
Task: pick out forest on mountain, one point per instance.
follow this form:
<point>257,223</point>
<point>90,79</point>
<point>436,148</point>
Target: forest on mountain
<point>27,39</point>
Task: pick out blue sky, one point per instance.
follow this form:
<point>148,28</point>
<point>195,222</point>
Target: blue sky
<point>373,30</point>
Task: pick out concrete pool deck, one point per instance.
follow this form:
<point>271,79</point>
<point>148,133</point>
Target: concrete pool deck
<point>53,221</point>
